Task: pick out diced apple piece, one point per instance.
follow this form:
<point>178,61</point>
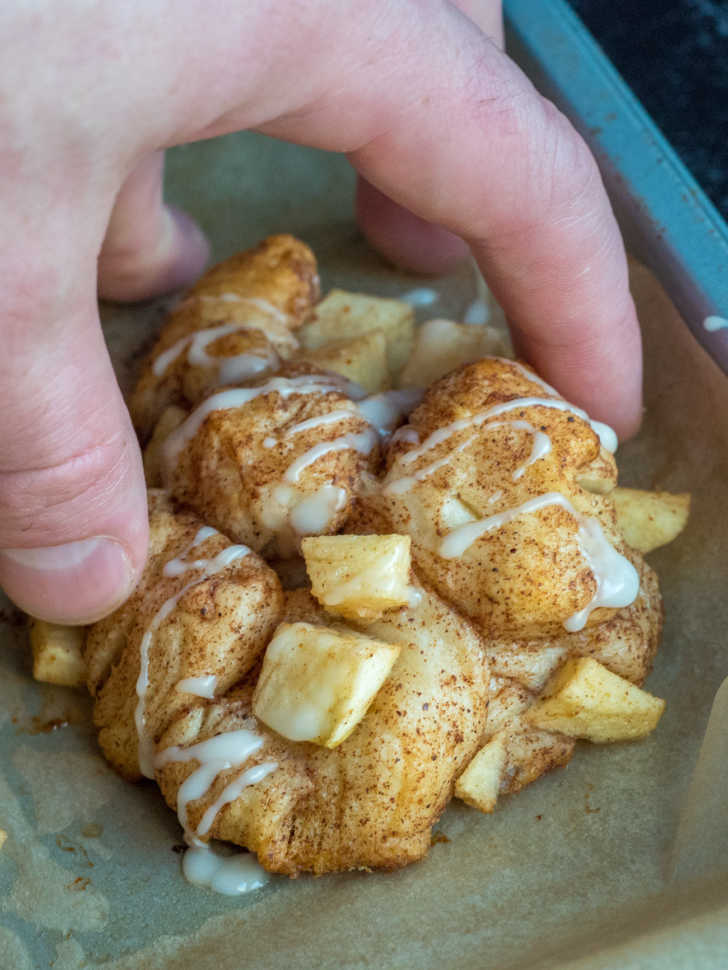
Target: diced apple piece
<point>358,577</point>
<point>585,700</point>
<point>443,345</point>
<point>343,314</point>
<point>317,683</point>
<point>479,783</point>
<point>649,520</point>
<point>57,653</point>
<point>3,837</point>
<point>360,359</point>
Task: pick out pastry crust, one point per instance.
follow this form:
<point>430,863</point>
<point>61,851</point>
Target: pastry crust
<point>240,318</point>
<point>219,627</point>
<point>249,469</point>
<point>372,801</point>
<point>505,492</point>
<point>526,576</point>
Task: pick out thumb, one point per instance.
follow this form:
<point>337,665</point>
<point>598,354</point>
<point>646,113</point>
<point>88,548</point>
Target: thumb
<point>73,525</point>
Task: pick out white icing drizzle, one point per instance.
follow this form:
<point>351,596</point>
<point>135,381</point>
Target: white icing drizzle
<point>541,446</point>
<point>320,420</point>
<point>459,540</point>
<point>475,420</point>
<point>167,357</point>
<point>404,484</point>
<point>209,867</point>
<point>607,436</point>
<point>383,411</point>
<point>203,866</point>
<point>713,323</point>
<point>361,441</point>
<point>420,296</point>
<point>530,375</point>
<point>477,313</point>
<point>228,369</point>
<point>203,686</point>
<point>250,777</point>
<point>175,567</point>
<point>314,513</point>
<point>616,578</point>
<point>237,397</point>
<point>243,367</point>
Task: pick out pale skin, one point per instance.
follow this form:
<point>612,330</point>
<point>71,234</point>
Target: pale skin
<point>443,127</point>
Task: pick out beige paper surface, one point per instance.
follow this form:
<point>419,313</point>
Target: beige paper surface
<point>614,861</point>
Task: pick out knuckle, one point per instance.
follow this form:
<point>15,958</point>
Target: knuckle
<point>60,501</point>
<point>568,171</point>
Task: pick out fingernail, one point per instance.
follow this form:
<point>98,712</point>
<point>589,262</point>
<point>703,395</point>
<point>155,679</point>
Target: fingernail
<point>75,583</point>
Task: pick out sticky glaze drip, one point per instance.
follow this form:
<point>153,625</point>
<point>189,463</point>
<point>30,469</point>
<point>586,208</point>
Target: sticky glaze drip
<point>476,420</point>
<point>203,686</point>
<point>314,514</point>
<point>235,398</point>
<point>616,578</point>
<point>420,296</point>
<point>541,447</point>
<point>202,865</point>
<point>607,436</point>
<point>361,441</point>
<point>228,369</point>
<point>210,867</point>
<point>175,567</point>
<point>333,417</point>
<point>384,411</point>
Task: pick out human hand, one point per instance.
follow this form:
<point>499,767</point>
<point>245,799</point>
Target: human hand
<point>428,110</point>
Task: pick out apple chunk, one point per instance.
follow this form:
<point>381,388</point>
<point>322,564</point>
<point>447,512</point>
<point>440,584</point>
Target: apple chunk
<point>648,520</point>
<point>479,783</point>
<point>57,653</point>
<point>341,314</point>
<point>358,577</point>
<point>585,700</point>
<point>317,683</point>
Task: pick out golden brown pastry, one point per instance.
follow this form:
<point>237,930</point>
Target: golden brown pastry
<point>372,801</point>
<point>237,322</point>
<point>275,461</point>
<point>485,479</point>
<point>204,608</point>
<point>519,567</point>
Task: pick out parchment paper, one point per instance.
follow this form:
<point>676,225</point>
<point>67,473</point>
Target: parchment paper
<point>607,863</point>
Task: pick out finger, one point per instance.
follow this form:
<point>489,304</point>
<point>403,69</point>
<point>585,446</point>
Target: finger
<point>402,237</point>
<point>150,248</point>
<point>398,234</point>
<point>433,115</point>
<point>448,127</point>
<point>487,14</point>
<point>73,527</point>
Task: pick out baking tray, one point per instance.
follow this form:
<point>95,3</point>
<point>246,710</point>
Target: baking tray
<point>667,220</point>
<point>580,870</point>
